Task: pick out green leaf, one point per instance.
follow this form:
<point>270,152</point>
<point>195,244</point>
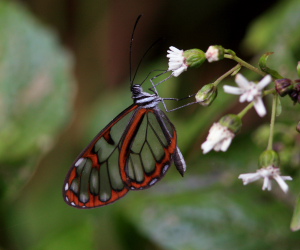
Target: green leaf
<point>35,94</point>
<point>278,30</point>
<point>210,217</point>
<point>263,66</point>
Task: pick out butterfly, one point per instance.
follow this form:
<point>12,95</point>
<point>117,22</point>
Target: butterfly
<point>133,152</point>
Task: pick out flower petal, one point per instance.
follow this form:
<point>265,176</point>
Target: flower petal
<point>282,183</point>
<point>250,177</point>
<point>207,146</point>
<point>267,173</point>
<point>287,178</point>
<point>267,184</point>
<point>212,54</point>
<point>260,107</point>
<point>264,82</point>
<point>174,50</point>
<point>241,81</point>
<point>174,65</point>
<point>232,90</point>
<point>219,138</point>
<point>243,97</point>
<point>178,71</point>
<point>250,98</point>
<point>225,145</point>
<point>176,61</point>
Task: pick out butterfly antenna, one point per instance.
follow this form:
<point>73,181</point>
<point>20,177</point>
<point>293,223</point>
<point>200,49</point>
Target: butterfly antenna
<point>140,62</point>
<point>130,51</point>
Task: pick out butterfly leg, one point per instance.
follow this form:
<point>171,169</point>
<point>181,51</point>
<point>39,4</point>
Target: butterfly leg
<point>174,99</point>
<point>179,99</point>
<point>156,84</point>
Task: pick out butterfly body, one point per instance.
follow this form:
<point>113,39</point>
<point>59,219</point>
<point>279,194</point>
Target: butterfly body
<point>132,152</point>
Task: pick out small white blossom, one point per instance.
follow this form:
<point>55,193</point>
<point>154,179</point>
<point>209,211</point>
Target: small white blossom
<point>176,61</point>
<point>250,91</point>
<point>219,138</point>
<point>267,174</point>
<point>212,54</point>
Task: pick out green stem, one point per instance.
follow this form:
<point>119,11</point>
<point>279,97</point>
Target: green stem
<point>245,64</point>
<point>272,123</point>
<point>269,91</point>
<point>229,72</point>
<point>245,110</point>
<point>250,105</point>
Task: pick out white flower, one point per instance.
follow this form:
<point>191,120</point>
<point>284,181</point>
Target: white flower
<point>250,91</point>
<point>219,138</point>
<point>267,174</point>
<point>212,54</point>
<point>176,61</point>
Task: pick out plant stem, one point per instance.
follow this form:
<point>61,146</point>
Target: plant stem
<point>272,122</point>
<point>245,64</point>
<point>245,110</point>
<point>250,105</point>
<point>269,91</point>
<point>229,72</point>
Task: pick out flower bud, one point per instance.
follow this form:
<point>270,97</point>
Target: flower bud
<point>283,86</point>
<point>269,158</point>
<point>194,57</point>
<point>295,92</point>
<point>298,127</point>
<point>214,53</point>
<point>232,122</point>
<point>207,94</point>
<point>298,68</point>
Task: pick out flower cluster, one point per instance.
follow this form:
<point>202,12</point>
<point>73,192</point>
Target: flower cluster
<point>222,133</point>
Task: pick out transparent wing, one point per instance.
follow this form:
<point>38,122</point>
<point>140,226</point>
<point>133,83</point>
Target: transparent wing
<point>95,178</point>
<point>148,149</point>
<point>132,152</point>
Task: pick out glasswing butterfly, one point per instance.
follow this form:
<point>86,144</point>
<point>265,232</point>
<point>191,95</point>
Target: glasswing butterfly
<point>132,152</point>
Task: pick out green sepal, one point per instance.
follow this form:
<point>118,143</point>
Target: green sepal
<point>269,158</point>
<point>194,57</point>
<point>232,122</point>
<point>207,94</point>
<point>263,66</point>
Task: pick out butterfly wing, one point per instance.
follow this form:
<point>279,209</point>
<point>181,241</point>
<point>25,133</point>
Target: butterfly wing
<point>94,178</point>
<point>148,149</point>
<point>132,152</point>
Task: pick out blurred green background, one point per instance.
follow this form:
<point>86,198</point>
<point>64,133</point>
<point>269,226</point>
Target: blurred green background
<point>64,74</point>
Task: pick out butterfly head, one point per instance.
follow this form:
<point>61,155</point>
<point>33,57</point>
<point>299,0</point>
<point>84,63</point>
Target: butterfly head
<point>136,89</point>
<point>144,99</point>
